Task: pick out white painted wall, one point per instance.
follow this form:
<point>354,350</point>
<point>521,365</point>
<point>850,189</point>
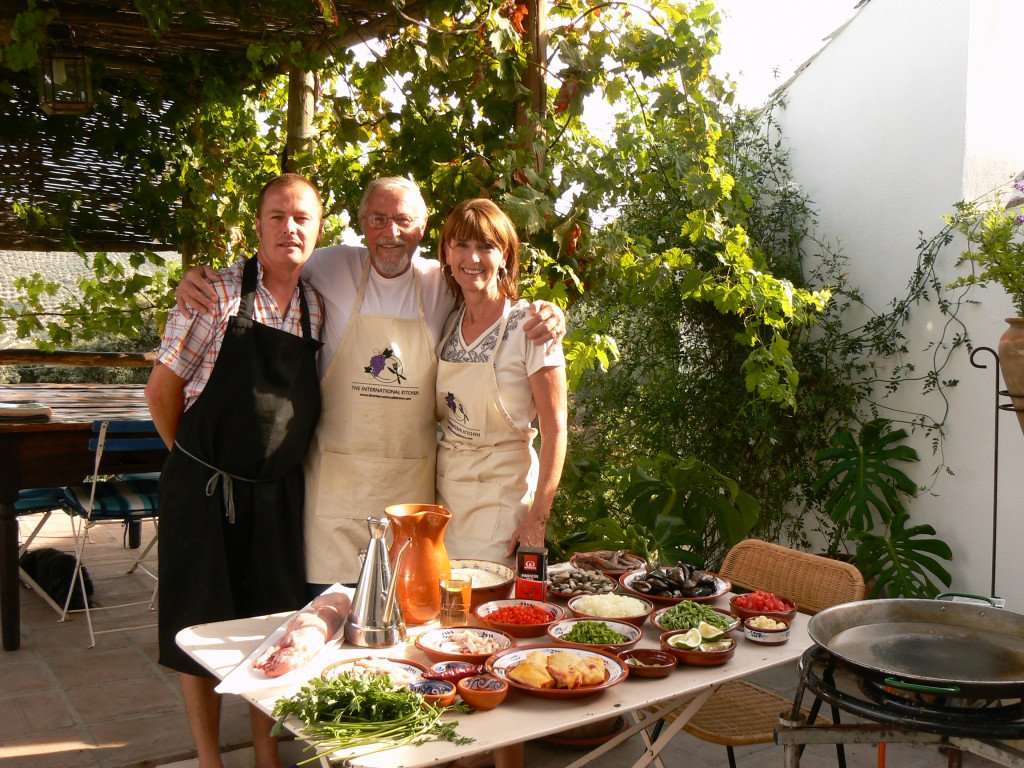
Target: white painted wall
<point>911,108</point>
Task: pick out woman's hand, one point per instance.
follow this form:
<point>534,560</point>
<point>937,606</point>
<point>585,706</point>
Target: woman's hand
<point>195,292</point>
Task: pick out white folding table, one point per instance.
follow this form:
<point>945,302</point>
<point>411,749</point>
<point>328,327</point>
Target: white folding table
<point>221,646</point>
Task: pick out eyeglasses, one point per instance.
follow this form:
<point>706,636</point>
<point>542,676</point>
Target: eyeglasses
<point>379,220</point>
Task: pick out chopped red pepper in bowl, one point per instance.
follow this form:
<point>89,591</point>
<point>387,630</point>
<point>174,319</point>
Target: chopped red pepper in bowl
<point>520,618</point>
<point>761,603</point>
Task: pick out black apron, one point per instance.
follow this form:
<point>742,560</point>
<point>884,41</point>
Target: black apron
<point>231,491</point>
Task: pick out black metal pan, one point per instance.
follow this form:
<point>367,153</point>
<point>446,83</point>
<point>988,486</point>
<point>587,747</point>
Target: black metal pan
<point>959,649</point>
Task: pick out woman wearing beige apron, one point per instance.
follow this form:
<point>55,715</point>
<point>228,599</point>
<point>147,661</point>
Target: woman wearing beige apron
<point>492,385</point>
<point>376,442</point>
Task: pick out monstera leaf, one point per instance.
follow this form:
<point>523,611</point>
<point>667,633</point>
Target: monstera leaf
<point>904,562</point>
<point>861,477</point>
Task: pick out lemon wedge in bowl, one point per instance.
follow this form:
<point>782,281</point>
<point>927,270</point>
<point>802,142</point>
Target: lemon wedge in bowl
<point>709,631</point>
<point>713,646</point>
<point>688,640</point>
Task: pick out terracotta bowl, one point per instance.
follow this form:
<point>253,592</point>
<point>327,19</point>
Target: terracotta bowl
<point>626,581</point>
<point>440,693</point>
<point>655,663</point>
<point>637,621</point>
<point>747,613</point>
<point>556,612</point>
<point>499,591</point>
<point>631,632</point>
<point>658,617</point>
<point>432,642</point>
<point>697,657</point>
<point>766,636</point>
<point>482,691</point>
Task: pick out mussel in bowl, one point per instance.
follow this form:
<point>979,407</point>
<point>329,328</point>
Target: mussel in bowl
<point>675,582</point>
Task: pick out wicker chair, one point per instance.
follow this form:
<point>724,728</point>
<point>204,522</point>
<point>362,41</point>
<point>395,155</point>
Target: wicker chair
<point>740,713</point>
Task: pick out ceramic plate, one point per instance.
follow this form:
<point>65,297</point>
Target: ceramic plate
<point>409,671</point>
<point>500,664</point>
<point>244,678</point>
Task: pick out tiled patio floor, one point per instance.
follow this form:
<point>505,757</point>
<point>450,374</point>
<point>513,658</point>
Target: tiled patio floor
<point>64,705</point>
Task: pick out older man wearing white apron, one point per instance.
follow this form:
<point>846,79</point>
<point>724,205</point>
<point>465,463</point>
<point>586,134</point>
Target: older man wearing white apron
<point>376,441</point>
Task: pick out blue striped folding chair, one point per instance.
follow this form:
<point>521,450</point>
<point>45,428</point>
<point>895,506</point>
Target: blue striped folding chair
<point>33,501</point>
<point>123,500</point>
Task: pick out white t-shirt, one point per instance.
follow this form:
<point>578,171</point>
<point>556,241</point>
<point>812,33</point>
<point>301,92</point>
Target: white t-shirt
<point>517,358</point>
<point>335,272</point>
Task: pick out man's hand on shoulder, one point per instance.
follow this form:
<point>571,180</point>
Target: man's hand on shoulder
<point>195,291</point>
<point>546,323</point>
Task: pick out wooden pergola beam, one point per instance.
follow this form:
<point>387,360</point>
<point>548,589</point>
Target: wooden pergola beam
<point>102,359</point>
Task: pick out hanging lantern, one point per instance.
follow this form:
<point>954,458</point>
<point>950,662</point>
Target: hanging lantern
<point>65,84</point>
<point>65,79</point>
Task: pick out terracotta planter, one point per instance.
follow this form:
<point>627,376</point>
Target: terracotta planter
<point>1011,362</point>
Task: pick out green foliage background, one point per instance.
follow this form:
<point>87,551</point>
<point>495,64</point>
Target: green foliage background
<point>701,395</point>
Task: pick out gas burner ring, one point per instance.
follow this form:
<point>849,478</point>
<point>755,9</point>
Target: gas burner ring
<point>954,717</point>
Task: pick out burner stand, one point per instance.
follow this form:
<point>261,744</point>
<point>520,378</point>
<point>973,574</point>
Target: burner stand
<point>980,730</point>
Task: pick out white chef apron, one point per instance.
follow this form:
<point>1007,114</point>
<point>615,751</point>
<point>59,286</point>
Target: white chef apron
<point>486,466</point>
<point>377,438</point>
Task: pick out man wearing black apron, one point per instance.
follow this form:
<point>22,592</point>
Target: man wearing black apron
<point>231,492</point>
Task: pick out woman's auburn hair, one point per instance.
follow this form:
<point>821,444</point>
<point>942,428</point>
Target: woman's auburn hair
<point>480,219</point>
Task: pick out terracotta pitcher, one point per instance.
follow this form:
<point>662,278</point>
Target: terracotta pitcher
<point>425,562</point>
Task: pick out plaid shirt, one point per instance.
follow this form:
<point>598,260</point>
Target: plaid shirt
<point>190,345</point>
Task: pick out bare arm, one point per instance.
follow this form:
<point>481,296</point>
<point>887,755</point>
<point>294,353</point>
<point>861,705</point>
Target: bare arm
<point>165,393</point>
<point>546,323</point>
<point>549,394</point>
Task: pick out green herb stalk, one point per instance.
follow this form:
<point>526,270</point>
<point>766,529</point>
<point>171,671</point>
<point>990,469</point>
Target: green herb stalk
<point>366,715</point>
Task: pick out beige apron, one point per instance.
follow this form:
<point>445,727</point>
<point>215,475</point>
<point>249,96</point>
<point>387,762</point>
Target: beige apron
<point>377,440</point>
<point>486,465</point>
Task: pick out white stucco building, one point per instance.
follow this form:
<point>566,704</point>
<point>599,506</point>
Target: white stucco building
<point>912,106</point>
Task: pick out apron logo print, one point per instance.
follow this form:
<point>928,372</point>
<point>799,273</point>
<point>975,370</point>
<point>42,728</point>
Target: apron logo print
<point>386,367</point>
<point>455,406</point>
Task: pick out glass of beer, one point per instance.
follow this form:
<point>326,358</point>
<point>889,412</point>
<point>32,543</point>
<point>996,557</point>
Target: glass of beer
<point>455,599</point>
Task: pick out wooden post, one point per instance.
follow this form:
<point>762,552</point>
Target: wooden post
<point>301,105</point>
<point>187,247</point>
<point>532,113</point>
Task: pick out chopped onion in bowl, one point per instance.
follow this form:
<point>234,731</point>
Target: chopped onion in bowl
<point>610,606</point>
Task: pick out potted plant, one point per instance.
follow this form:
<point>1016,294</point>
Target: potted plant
<point>995,251</point>
<point>863,489</point>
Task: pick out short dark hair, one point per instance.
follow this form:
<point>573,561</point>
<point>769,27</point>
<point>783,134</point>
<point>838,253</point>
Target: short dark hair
<point>287,180</point>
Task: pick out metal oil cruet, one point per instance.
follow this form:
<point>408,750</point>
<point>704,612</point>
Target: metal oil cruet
<point>376,619</point>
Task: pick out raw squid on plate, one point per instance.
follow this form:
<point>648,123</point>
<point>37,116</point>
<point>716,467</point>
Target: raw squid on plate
<point>307,632</point>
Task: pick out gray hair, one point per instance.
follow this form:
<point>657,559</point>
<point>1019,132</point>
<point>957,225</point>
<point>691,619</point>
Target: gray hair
<point>395,184</point>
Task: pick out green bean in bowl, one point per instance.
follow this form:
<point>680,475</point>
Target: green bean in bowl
<point>690,615</point>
